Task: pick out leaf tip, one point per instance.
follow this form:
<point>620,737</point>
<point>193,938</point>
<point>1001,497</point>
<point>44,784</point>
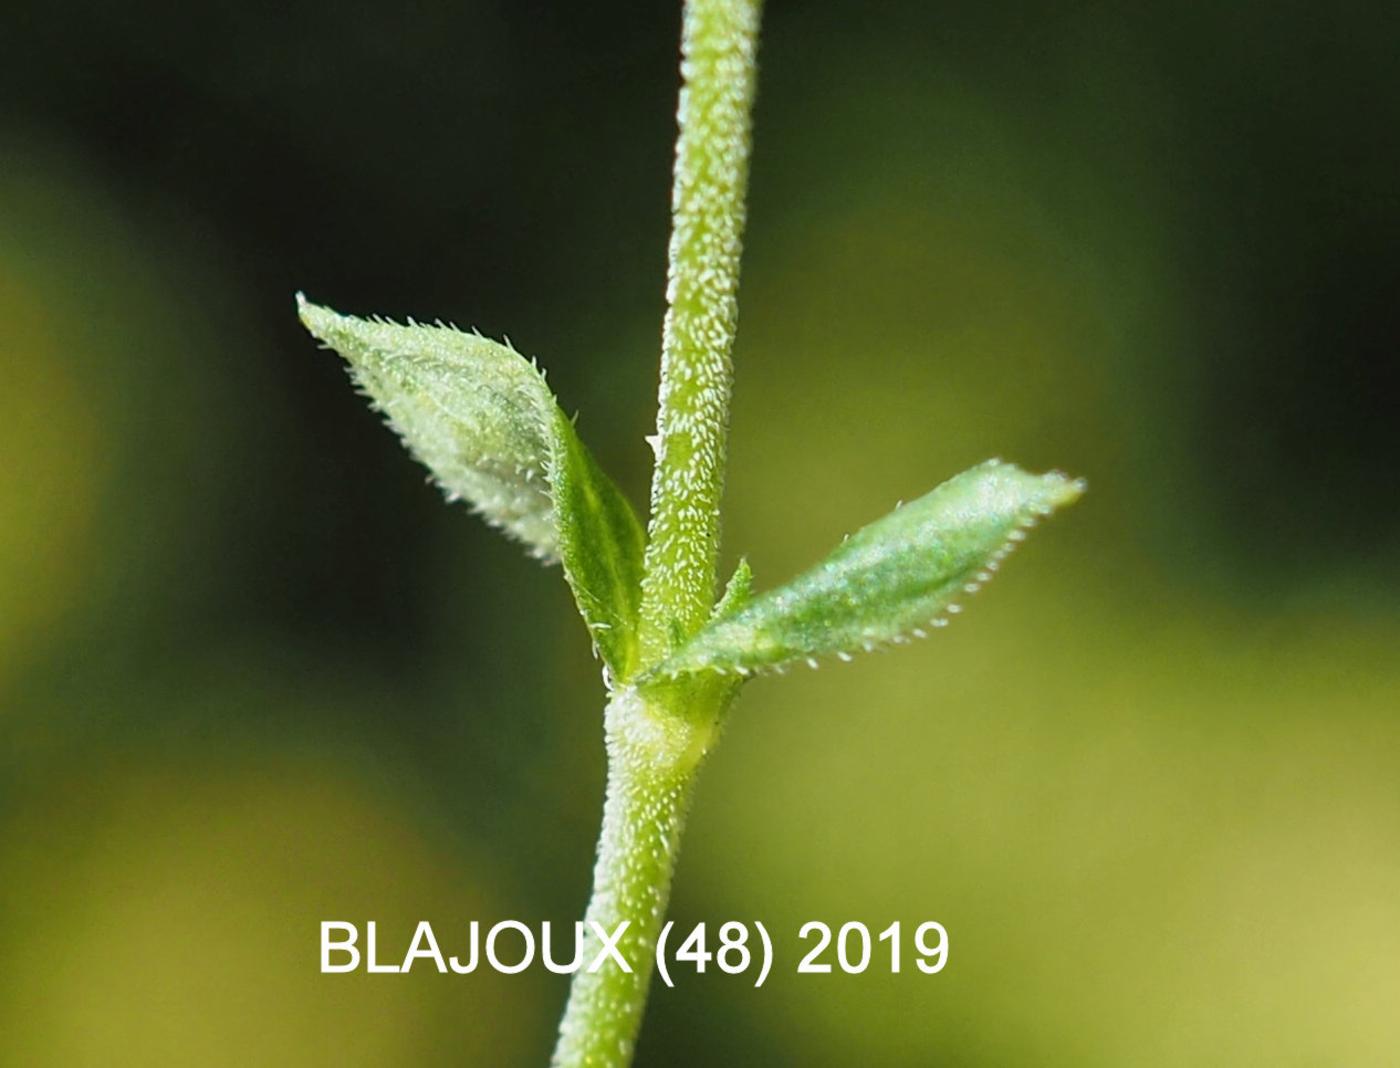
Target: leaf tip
<point>738,591</point>
<point>319,321</point>
<point>1040,494</point>
<point>1061,490</point>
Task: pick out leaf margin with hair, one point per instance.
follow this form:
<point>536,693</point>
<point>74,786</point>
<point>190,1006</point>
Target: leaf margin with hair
<point>482,419</point>
<point>885,583</point>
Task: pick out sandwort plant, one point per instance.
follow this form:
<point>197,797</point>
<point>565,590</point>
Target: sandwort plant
<point>482,419</point>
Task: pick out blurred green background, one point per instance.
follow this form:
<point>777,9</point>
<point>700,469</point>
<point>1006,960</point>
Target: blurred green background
<point>254,674</point>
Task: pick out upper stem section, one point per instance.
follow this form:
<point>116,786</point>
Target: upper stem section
<point>718,48</point>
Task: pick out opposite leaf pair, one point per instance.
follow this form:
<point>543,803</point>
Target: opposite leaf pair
<point>481,418</point>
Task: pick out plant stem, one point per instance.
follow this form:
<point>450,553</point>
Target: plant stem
<point>719,44</point>
<point>652,759</point>
<point>657,740</point>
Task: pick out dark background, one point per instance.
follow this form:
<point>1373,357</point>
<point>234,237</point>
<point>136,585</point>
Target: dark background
<point>254,674</point>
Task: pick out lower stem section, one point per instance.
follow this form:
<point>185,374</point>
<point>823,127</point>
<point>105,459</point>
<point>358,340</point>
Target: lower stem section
<point>653,758</point>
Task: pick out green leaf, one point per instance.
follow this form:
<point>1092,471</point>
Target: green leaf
<point>474,412</point>
<point>885,583</point>
<point>480,417</point>
<point>738,591</point>
<point>602,544</point>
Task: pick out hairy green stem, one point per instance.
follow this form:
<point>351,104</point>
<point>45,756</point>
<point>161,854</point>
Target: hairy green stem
<point>657,741</point>
<point>719,42</point>
<point>652,759</point>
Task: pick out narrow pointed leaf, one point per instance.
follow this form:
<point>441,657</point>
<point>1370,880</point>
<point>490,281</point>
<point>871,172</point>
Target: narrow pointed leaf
<point>602,544</point>
<point>738,591</point>
<point>889,580</point>
<point>481,418</point>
